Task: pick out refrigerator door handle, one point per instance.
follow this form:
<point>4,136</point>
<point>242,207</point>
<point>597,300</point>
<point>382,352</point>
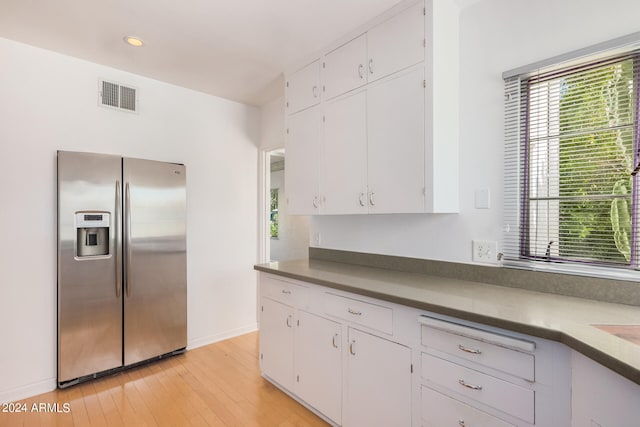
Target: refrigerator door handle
<point>127,214</point>
<point>117,227</point>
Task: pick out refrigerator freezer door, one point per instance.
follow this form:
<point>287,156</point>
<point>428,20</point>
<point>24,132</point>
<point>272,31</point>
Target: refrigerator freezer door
<point>155,290</point>
<point>89,298</point>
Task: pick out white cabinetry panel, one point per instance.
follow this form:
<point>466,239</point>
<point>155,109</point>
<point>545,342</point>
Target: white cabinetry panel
<point>303,88</point>
<point>344,177</point>
<point>396,43</point>
<point>369,315</point>
<point>601,397</point>
<point>481,352</point>
<point>345,68</point>
<point>378,382</point>
<point>318,354</point>
<point>396,151</point>
<point>302,145</point>
<point>439,410</point>
<point>276,341</point>
<point>502,395</point>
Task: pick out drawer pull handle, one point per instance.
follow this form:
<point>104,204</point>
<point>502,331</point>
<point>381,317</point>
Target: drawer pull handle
<point>469,350</point>
<point>354,312</point>
<point>353,353</point>
<point>289,321</point>
<point>471,386</point>
<point>334,342</point>
<point>285,291</point>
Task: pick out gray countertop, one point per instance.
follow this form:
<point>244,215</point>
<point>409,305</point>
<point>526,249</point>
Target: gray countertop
<point>560,318</point>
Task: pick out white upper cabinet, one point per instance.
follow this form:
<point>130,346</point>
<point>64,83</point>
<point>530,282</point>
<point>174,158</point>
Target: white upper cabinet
<point>397,43</point>
<point>344,175</point>
<point>345,68</point>
<point>396,153</point>
<point>303,88</point>
<point>302,173</point>
<point>389,100</point>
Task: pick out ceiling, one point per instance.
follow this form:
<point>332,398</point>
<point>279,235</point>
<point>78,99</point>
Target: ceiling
<point>235,49</point>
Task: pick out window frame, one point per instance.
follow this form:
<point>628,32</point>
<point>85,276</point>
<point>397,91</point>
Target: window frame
<point>516,209</point>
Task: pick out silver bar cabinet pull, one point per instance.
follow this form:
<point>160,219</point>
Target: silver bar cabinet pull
<point>471,386</point>
<point>334,341</point>
<point>353,353</point>
<point>286,291</point>
<point>354,312</point>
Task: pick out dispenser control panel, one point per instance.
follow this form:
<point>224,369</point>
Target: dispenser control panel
<point>92,219</point>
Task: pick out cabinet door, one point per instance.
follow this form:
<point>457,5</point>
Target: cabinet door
<point>397,43</point>
<point>319,364</point>
<point>344,172</point>
<point>301,174</point>
<point>303,88</point>
<point>396,146</point>
<point>276,341</point>
<point>378,382</point>
<point>345,68</point>
<point>601,397</point>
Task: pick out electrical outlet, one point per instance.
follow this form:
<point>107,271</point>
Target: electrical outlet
<point>485,251</point>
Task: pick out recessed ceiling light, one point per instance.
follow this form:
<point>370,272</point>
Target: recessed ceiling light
<point>133,41</point>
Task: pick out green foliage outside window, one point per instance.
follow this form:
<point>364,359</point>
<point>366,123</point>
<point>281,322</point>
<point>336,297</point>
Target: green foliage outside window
<point>596,115</point>
<point>274,213</point>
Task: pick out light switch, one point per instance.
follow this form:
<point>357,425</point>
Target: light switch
<point>482,198</point>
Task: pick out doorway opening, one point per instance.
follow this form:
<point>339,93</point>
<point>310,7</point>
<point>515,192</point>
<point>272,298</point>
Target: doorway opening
<point>286,236</point>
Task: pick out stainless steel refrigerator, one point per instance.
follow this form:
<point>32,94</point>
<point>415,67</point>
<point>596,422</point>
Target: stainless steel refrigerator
<point>122,281</point>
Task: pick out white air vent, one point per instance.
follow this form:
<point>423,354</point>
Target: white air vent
<point>114,95</point>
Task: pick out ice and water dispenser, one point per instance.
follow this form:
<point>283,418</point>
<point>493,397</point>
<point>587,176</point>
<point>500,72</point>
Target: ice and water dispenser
<point>92,234</point>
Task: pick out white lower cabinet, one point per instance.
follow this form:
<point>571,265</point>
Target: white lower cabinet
<point>276,341</point>
<point>378,386</point>
<point>359,361</point>
<point>601,397</point>
<point>318,364</point>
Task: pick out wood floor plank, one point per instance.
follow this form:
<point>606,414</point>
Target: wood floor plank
<point>218,385</point>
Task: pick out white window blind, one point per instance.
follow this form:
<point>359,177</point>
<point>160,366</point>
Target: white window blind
<point>571,150</point>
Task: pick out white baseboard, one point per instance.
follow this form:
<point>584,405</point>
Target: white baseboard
<point>199,342</point>
<point>29,390</point>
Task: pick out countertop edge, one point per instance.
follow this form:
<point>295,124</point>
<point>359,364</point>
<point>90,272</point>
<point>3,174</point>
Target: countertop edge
<point>627,371</point>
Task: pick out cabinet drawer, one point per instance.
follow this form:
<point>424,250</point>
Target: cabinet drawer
<point>282,291</point>
<point>502,395</point>
<point>480,351</point>
<point>439,410</point>
<point>363,313</point>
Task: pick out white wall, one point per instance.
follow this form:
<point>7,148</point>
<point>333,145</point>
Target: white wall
<point>49,102</point>
<point>496,35</point>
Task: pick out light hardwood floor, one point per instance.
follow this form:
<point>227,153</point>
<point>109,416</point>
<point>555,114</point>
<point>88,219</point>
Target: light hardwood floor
<point>215,385</point>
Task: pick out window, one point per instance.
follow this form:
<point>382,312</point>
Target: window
<point>273,216</point>
<point>571,155</point>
